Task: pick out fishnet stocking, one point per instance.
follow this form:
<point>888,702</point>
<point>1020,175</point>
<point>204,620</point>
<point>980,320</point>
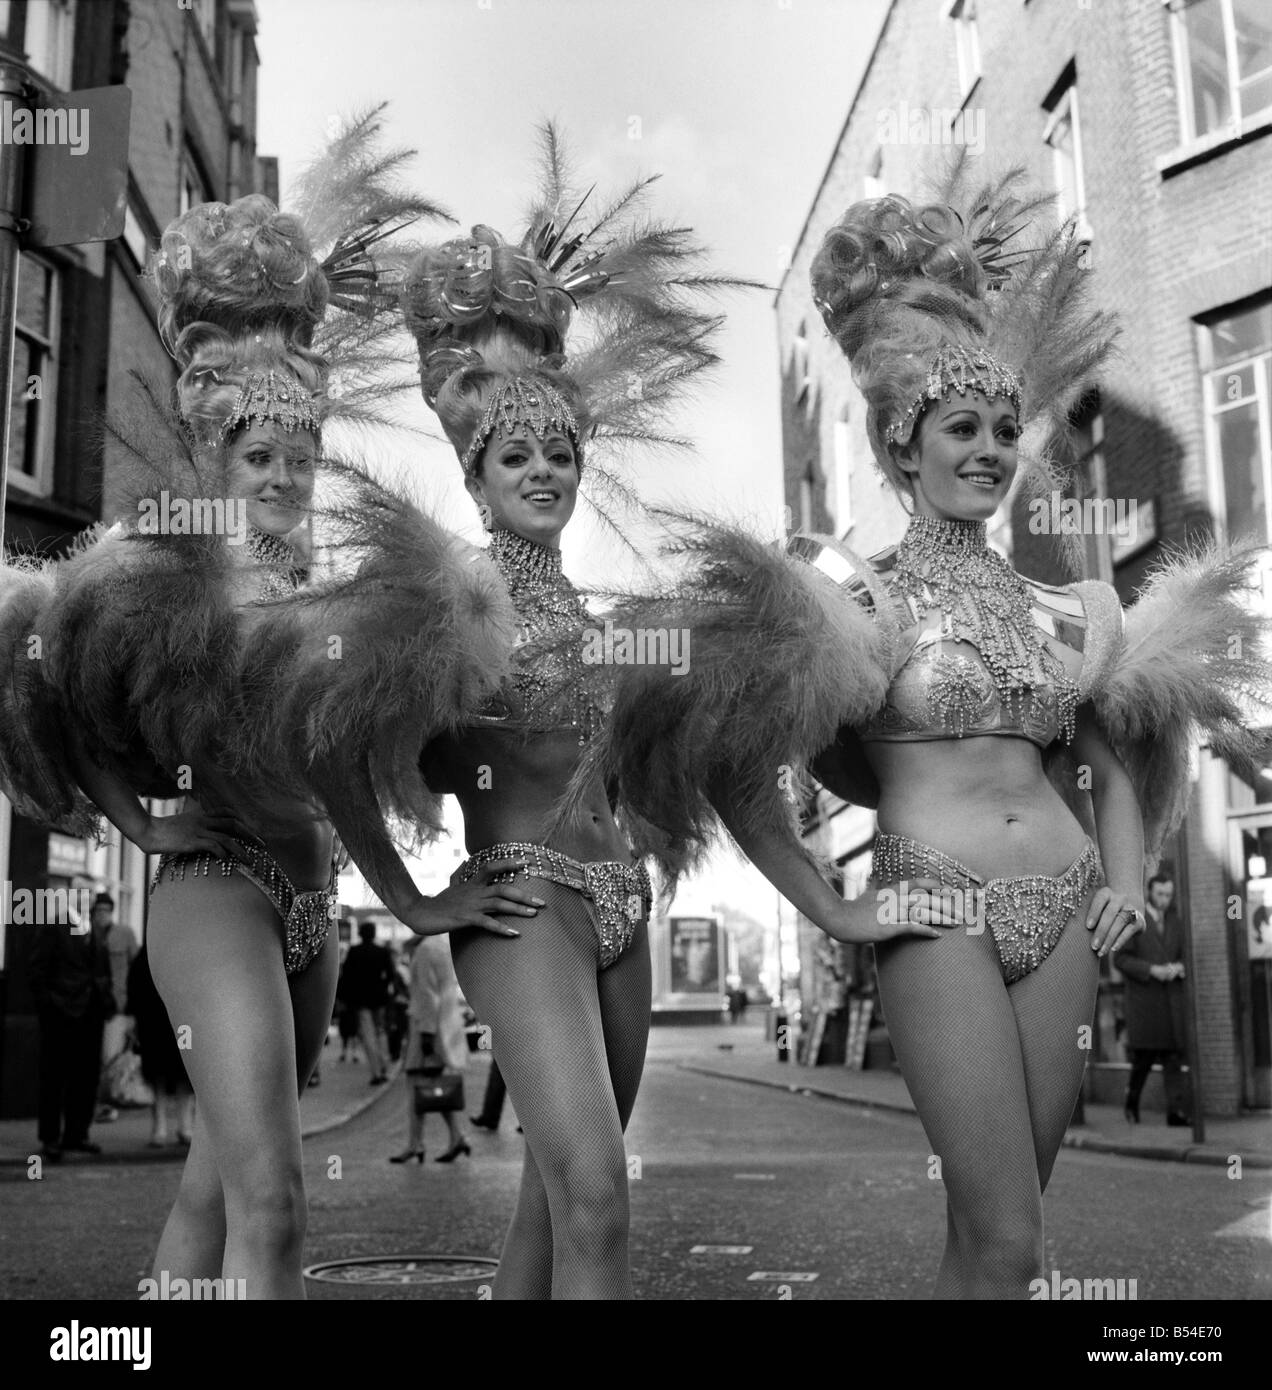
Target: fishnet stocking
<point>994,1072</point>
<point>570,1043</point>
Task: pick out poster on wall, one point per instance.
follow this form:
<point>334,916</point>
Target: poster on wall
<point>695,955</point>
<point>1259,917</point>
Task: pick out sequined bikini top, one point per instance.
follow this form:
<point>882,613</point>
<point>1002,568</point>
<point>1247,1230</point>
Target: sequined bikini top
<point>548,689</point>
<point>981,654</point>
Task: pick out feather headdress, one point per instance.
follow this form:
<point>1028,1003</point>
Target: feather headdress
<point>243,291</point>
<point>969,291</point>
<point>599,308</point>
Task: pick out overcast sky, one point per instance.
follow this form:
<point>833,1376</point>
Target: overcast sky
<point>736,103</point>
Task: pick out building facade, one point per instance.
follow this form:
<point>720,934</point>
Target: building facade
<point>1150,121</point>
<point>85,323</point>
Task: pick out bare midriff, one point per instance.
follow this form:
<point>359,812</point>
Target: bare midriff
<point>508,785</point>
<point>302,848</point>
<point>984,801</point>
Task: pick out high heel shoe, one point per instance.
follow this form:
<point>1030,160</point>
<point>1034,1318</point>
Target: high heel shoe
<point>453,1152</point>
<point>1130,1108</point>
<point>407,1155</point>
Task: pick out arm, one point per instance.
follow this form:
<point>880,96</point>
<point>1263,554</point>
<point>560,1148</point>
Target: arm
<point>190,831</point>
<point>1119,829</point>
<point>356,816</point>
<point>790,872</point>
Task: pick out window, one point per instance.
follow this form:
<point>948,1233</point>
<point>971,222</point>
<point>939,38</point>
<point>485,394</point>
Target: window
<point>50,35</point>
<point>193,190</point>
<point>873,186</point>
<point>1223,55</point>
<point>799,363</point>
<point>135,238</point>
<point>1236,355</point>
<point>34,375</point>
<point>1091,481</point>
<point>807,484</point>
<point>204,12</point>
<point>1063,133</point>
<point>966,42</point>
<point>843,474</point>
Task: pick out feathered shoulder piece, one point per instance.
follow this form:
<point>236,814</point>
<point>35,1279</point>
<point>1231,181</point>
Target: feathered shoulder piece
<point>772,657</point>
<point>602,306</point>
<point>1193,666</point>
<point>35,762</point>
<point>357,672</point>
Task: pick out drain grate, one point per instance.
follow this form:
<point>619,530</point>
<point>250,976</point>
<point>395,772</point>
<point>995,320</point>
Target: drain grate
<point>395,1270</point>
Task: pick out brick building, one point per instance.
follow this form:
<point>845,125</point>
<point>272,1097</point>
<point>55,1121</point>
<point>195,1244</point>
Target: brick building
<point>1150,122</point>
<point>86,319</point>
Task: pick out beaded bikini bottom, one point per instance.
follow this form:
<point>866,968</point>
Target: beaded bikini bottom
<point>1026,916</point>
<point>620,893</point>
<point>307,917</point>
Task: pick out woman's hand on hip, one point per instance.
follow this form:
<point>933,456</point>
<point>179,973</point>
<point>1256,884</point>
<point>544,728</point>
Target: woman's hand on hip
<point>916,907</point>
<point>476,903</point>
<point>1113,918</point>
<point>193,831</point>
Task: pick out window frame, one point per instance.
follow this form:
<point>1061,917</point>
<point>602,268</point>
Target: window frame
<point>1211,411</point>
<point>967,47</point>
<point>40,482</point>
<point>1239,121</point>
<point>62,30</point>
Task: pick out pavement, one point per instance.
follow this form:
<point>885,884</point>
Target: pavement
<point>343,1091</point>
<point>735,1053</point>
<point>740,1053</point>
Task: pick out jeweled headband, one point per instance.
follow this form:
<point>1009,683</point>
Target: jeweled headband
<point>522,405</point>
<point>959,369</point>
<point>276,396</point>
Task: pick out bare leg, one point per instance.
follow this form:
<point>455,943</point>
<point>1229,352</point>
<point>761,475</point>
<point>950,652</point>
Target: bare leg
<point>955,1034</point>
<point>216,951</point>
<point>554,1058</point>
<point>1055,1008</point>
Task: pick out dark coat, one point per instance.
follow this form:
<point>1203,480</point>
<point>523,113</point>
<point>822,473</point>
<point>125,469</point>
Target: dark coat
<point>69,972</point>
<point>366,977</point>
<point>1156,1010</point>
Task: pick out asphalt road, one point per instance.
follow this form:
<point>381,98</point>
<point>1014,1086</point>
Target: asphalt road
<point>789,1185</point>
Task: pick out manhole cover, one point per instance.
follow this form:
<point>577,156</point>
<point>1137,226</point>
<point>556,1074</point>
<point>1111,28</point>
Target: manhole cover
<point>403,1269</point>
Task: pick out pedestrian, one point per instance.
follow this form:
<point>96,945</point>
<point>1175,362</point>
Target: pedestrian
<point>162,1065</point>
<point>436,1049</point>
<point>69,973</point>
<point>121,946</point>
<point>737,1004</point>
<point>1156,1002</point>
<point>492,1101</point>
<point>364,989</point>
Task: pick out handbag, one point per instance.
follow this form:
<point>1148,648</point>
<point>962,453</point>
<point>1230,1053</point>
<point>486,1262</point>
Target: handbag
<point>441,1093</point>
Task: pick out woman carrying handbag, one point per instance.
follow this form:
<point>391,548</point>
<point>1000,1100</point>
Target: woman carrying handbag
<point>435,1054</point>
